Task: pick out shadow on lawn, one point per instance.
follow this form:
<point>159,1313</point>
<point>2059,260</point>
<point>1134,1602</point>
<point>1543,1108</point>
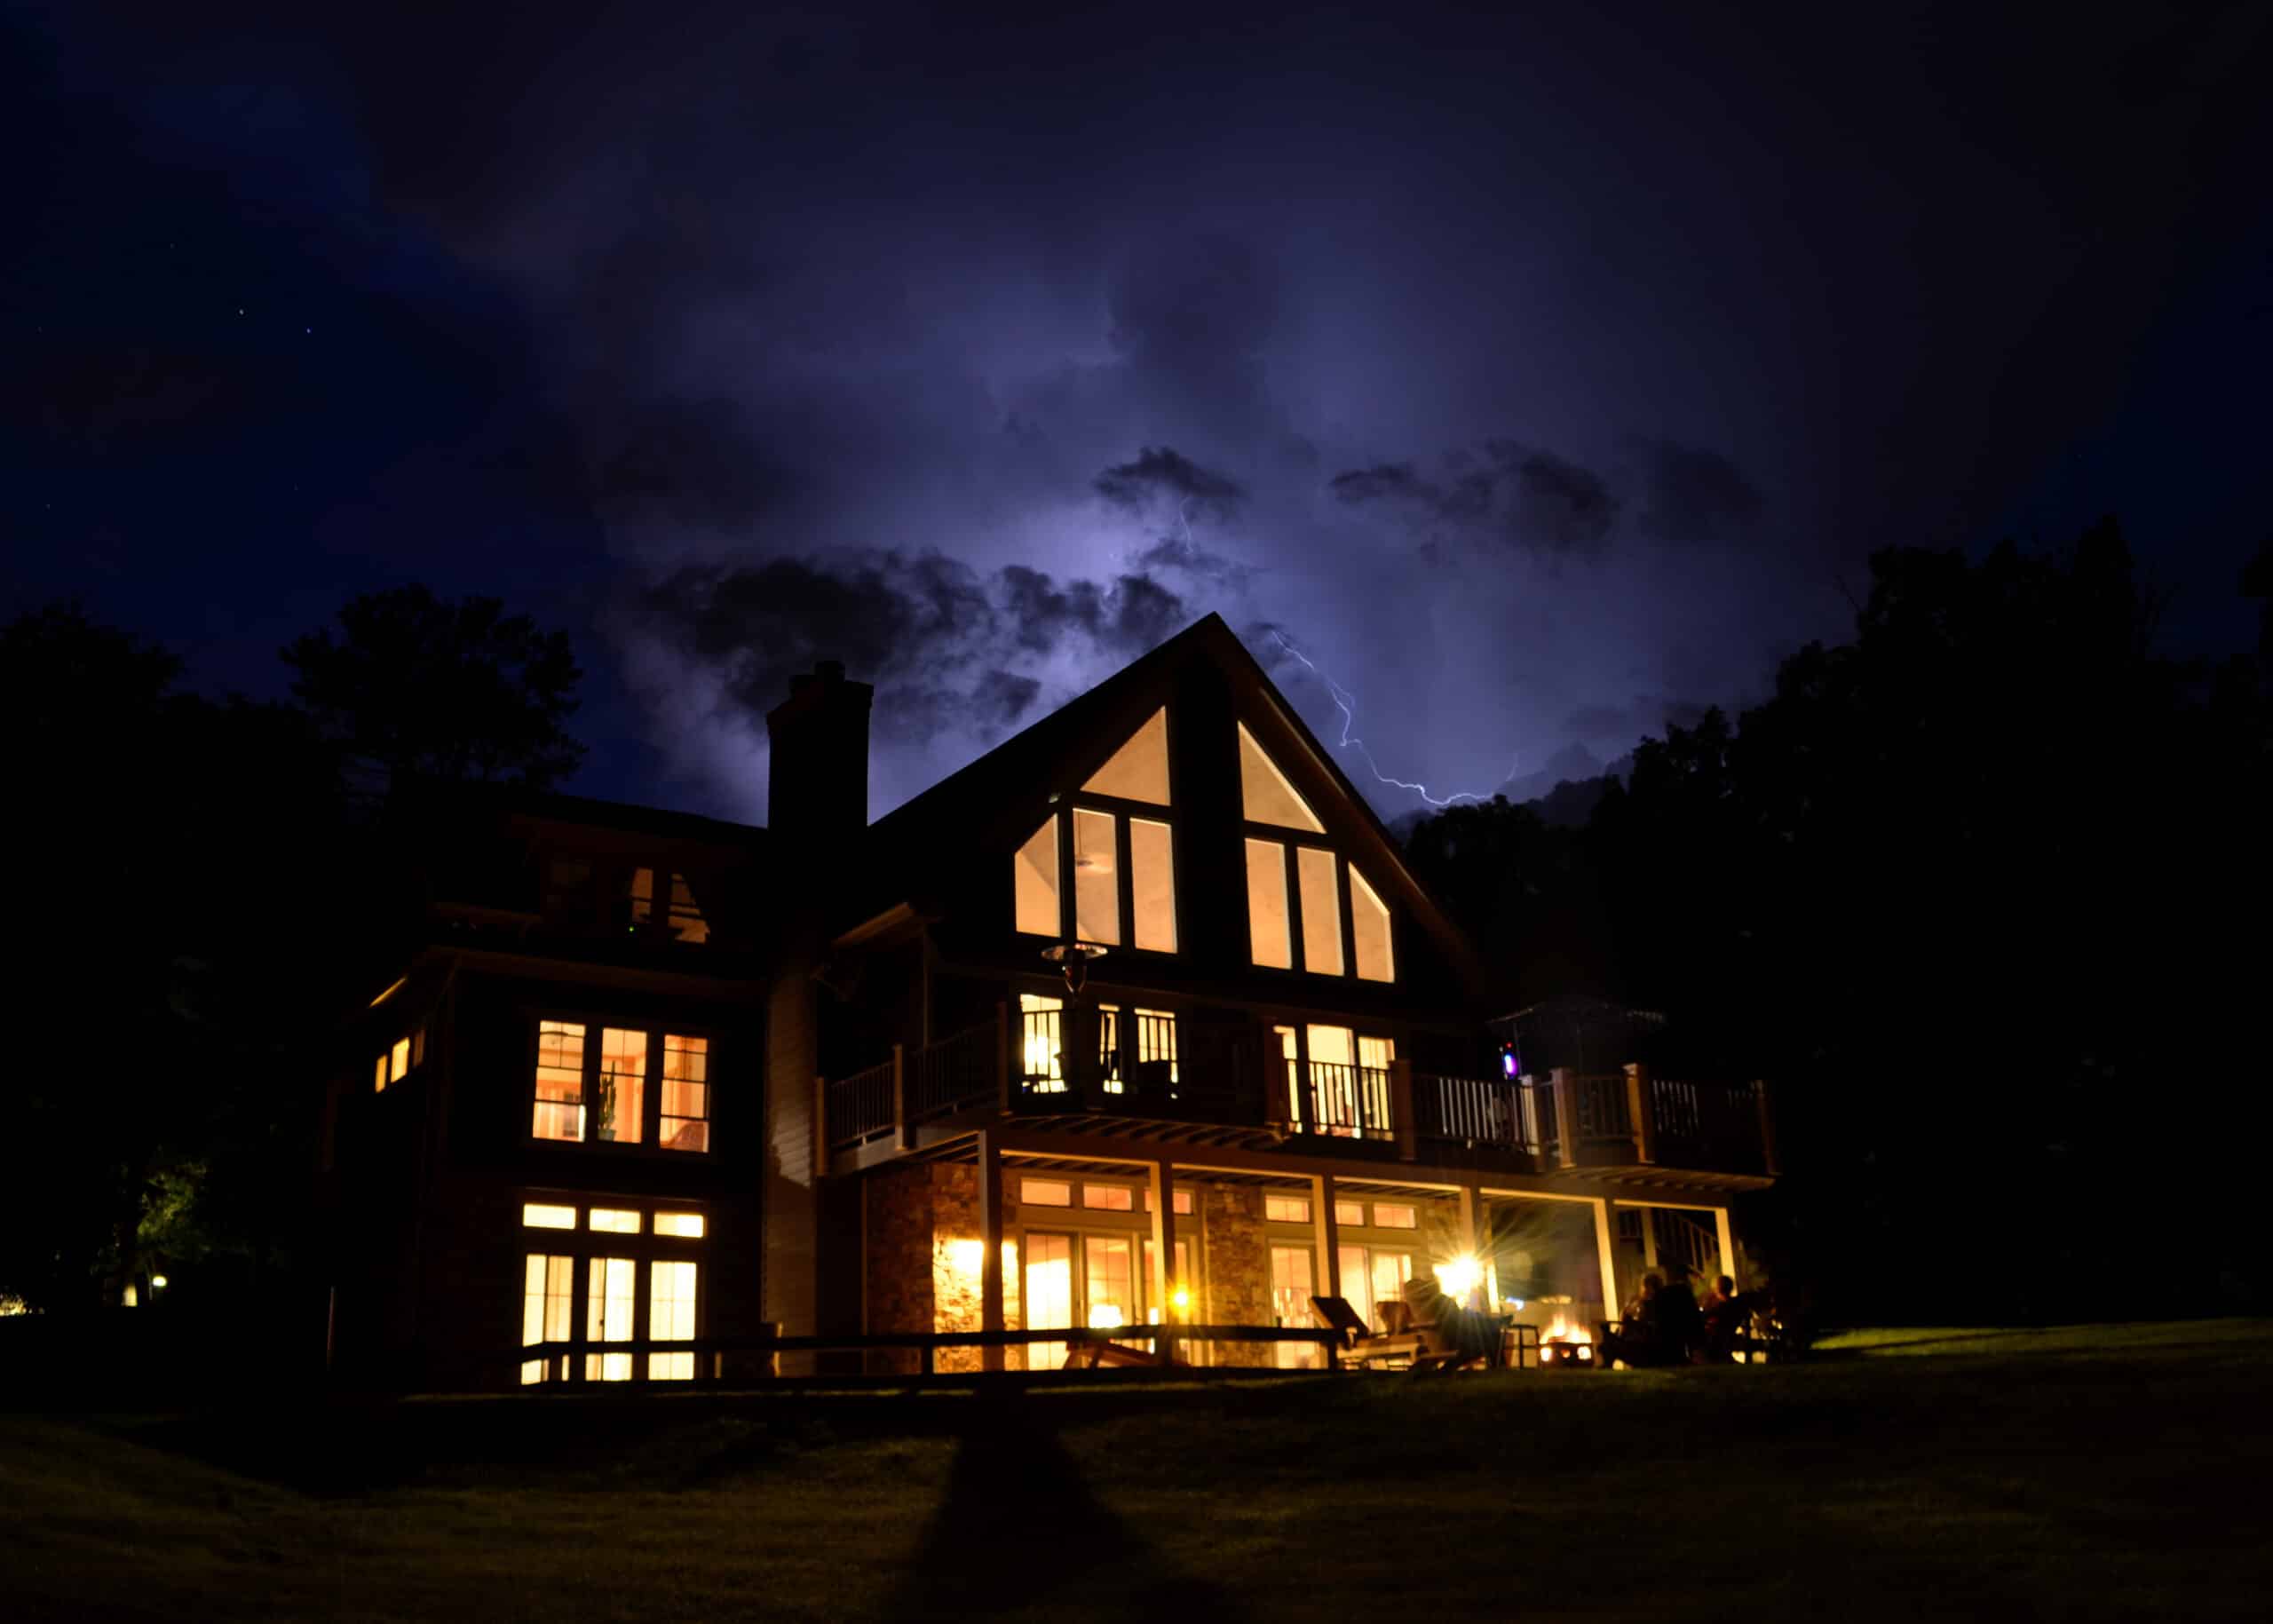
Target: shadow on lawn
<point>1018,1523</point>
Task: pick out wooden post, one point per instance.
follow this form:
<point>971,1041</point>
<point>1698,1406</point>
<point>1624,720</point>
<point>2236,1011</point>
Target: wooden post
<point>1326,1238</point>
<point>1003,1057</point>
<point>1767,1128</point>
<point>1162,1181</point>
<point>1400,1110</point>
<point>1471,1234</point>
<point>1566,1117</point>
<point>1640,1113</point>
<point>1606,1251</point>
<point>1649,1237</point>
<point>820,1128</point>
<point>1728,1244</point>
<point>899,1096</point>
<point>990,1240</point>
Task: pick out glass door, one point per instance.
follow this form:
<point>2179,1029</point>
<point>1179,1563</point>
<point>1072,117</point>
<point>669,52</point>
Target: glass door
<point>1290,1301</point>
<point>1110,1282</point>
<point>1048,1296</point>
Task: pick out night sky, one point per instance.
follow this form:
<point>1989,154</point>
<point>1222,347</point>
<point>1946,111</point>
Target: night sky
<point>1539,378</point>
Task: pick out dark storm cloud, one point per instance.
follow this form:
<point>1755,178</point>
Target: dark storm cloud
<point>831,296</point>
<point>1506,493</point>
<point>1647,715</point>
<point>1162,474</point>
<point>1695,495</point>
<point>929,631</point>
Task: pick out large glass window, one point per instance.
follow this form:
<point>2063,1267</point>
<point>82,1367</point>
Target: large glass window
<point>622,1105</point>
<point>547,1294</point>
<point>1096,879</point>
<point>1321,912</point>
<point>1139,769</point>
<point>1152,881</point>
<point>611,1305</point>
<point>683,920</point>
<point>1268,796</point>
<point>559,1081</point>
<point>1369,933</point>
<point>1041,1043</point>
<point>1036,875</point>
<point>686,1093</point>
<point>607,1095</point>
<point>1123,864</point>
<point>670,1318</point>
<point>1269,937</point>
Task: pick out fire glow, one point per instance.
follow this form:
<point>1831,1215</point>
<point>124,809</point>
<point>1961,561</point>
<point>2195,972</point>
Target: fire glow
<point>1564,1343</point>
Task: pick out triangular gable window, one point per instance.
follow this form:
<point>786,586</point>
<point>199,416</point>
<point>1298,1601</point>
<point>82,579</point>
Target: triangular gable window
<point>1270,798</point>
<point>1139,769</point>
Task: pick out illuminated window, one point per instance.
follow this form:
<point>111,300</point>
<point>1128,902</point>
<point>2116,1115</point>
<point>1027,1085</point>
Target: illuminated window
<point>1151,878</point>
<point>1139,769</point>
<point>670,1318</point>
<point>1045,1192</point>
<point>1285,1209</point>
<point>379,1076</point>
<point>398,1060</point>
<point>559,1081</point>
<point>1097,884</point>
<point>1321,912</point>
<point>1269,937</point>
<point>1349,1212</point>
<point>1036,873</point>
<point>1291,1074</point>
<point>1386,1216</point>
<point>687,922</point>
<point>1041,1060</point>
<point>617,1112</point>
<point>687,1094</point>
<point>547,1295</point>
<point>1181,1205</point>
<point>687,1226</point>
<point>1369,933</point>
<point>535,1215</point>
<point>615,1219</point>
<point>1109,1198</point>
<point>1156,1040</point>
<point>641,898</point>
<point>611,1305</point>
<point>1269,797</point>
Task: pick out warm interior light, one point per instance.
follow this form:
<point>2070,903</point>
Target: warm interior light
<point>687,1226</point>
<point>1106,1317</point>
<point>1460,1277</point>
<point>157,1282</point>
<point>539,1215</point>
<point>389,992</point>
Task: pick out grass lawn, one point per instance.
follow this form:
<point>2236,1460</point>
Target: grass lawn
<point>2103,1472</point>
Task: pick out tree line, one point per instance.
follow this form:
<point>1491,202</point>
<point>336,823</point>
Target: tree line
<point>207,888</point>
<point>1982,893</point>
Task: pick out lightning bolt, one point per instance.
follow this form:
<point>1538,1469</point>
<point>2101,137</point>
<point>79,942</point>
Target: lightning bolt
<point>1346,703</point>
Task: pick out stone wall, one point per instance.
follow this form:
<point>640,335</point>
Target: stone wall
<point>1239,1268</point>
<point>923,1258</point>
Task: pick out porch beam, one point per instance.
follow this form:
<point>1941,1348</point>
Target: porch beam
<point>990,1241</point>
<point>1160,1180</point>
<point>1325,1236</point>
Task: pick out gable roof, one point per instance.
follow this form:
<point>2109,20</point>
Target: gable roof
<point>1001,786</point>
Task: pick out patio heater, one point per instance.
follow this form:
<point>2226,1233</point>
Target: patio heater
<point>1074,959</point>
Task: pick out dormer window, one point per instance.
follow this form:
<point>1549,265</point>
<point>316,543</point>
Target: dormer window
<point>1122,863</point>
<point>681,920</point>
<point>1307,907</point>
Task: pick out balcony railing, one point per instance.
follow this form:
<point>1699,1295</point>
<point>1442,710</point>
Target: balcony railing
<point>1568,1119</point>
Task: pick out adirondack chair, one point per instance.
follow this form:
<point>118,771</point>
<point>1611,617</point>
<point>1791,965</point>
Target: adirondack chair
<point>1362,1343</point>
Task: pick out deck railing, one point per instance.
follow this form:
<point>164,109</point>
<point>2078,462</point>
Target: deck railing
<point>1623,1117</point>
<point>956,1073</point>
<point>1483,1110</point>
<point>1347,1101</point>
<point>861,1106</point>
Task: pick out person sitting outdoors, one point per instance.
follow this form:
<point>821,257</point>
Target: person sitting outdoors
<point>1724,1322</point>
<point>1458,1330</point>
<point>1638,1338</point>
<point>1680,1327</point>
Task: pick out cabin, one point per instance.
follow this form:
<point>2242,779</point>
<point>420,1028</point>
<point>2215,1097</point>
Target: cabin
<point>1139,1019</point>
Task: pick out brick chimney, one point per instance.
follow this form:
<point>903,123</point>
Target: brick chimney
<point>818,787</point>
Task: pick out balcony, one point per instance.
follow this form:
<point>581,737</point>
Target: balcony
<point>1016,1065</point>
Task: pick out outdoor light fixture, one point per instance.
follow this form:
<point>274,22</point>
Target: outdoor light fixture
<point>1460,1277</point>
<point>1073,958</point>
<point>1181,1299</point>
<point>157,1282</point>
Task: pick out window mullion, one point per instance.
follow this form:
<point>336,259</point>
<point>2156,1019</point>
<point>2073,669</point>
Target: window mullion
<point>1349,921</point>
<point>1066,917</point>
<point>1124,879</point>
<point>1290,867</point>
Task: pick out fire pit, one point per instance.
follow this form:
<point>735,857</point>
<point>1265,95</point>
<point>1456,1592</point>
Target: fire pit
<point>1563,1346</point>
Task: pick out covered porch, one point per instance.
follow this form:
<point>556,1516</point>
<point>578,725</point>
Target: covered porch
<point>1033,1225</point>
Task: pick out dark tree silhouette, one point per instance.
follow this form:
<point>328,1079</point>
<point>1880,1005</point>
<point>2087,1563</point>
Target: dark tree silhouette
<point>1981,893</point>
<point>412,686</point>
